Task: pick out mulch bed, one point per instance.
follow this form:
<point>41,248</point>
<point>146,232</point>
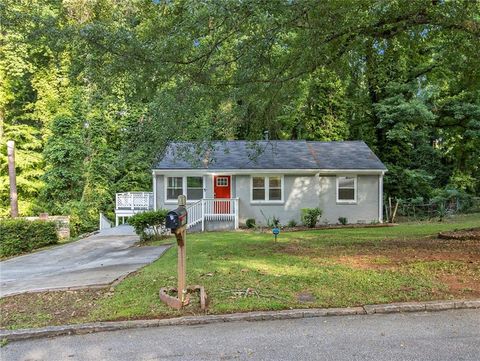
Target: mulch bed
<point>304,228</point>
<point>463,234</point>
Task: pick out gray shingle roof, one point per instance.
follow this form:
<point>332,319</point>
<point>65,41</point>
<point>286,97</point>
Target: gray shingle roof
<point>273,154</point>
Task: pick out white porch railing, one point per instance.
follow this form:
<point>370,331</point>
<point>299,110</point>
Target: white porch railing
<point>208,209</point>
<point>214,209</point>
<point>134,200</point>
<point>129,203</point>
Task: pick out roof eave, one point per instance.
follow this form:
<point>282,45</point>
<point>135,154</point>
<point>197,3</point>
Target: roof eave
<point>269,171</point>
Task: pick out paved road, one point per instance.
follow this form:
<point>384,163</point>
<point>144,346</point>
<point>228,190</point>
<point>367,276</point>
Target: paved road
<point>437,336</point>
<point>96,260</point>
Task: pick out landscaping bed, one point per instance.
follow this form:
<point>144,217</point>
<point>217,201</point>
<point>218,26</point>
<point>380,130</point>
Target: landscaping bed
<point>317,227</point>
<point>250,271</point>
<point>472,233</point>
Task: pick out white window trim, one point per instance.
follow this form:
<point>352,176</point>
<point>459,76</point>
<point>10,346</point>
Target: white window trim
<point>184,188</point>
<point>228,178</point>
<point>267,188</point>
<point>355,189</point>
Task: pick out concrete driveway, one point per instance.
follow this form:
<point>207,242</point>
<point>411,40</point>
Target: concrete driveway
<point>97,260</point>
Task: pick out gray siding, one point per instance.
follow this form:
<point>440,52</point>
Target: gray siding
<point>309,192</point>
<point>366,208</point>
<point>300,191</point>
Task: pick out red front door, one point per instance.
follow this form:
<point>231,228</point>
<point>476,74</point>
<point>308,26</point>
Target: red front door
<point>222,189</point>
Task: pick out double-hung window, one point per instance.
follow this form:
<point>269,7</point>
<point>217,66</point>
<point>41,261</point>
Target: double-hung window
<point>192,187</point>
<point>174,187</point>
<point>267,189</point>
<point>346,189</point>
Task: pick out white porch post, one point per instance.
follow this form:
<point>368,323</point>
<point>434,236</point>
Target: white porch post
<point>203,215</point>
<point>236,213</point>
<point>131,200</point>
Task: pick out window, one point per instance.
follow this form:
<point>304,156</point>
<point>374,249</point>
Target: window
<point>275,188</point>
<point>267,189</point>
<point>347,189</point>
<point>192,187</point>
<point>222,181</point>
<point>174,187</point>
<point>258,188</point>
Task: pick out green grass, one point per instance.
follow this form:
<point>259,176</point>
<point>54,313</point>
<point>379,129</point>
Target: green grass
<point>244,271</point>
<point>229,262</point>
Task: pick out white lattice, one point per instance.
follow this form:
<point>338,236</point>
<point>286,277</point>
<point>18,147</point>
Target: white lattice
<point>134,200</point>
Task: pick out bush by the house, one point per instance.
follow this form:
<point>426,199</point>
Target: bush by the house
<point>310,216</point>
<point>343,220</point>
<point>20,235</point>
<point>292,223</point>
<point>149,224</point>
<point>274,222</point>
<point>250,223</point>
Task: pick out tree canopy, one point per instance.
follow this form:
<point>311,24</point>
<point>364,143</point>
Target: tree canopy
<point>93,90</point>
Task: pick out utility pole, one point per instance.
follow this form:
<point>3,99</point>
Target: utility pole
<point>13,179</point>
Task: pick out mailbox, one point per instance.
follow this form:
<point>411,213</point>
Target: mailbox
<point>176,219</point>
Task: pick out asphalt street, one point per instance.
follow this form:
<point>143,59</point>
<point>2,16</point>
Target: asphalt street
<point>436,336</point>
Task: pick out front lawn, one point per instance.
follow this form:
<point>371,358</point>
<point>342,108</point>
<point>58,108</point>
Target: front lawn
<point>244,271</point>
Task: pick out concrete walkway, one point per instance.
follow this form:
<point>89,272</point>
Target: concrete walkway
<point>97,260</point>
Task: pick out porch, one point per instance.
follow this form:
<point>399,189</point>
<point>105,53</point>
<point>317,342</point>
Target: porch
<point>201,213</point>
<point>129,203</point>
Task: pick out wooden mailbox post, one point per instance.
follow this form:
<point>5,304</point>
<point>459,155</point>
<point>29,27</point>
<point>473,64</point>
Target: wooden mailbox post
<point>176,220</point>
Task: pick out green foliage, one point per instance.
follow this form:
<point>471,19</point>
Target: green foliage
<point>342,220</point>
<point>89,92</point>
<point>292,223</point>
<point>271,222</point>
<point>274,222</point>
<point>20,235</point>
<point>250,223</point>
<point>146,222</point>
<point>310,216</point>
<point>64,153</point>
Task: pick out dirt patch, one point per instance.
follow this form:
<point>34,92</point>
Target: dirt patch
<point>464,234</point>
<point>396,250</point>
<point>393,254</point>
<point>461,286</point>
<point>366,262</point>
<point>58,307</point>
<point>305,297</point>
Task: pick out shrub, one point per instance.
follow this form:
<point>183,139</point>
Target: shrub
<point>310,216</point>
<point>250,223</point>
<point>146,221</point>
<point>343,220</point>
<point>274,222</point>
<point>292,223</point>
<point>20,235</point>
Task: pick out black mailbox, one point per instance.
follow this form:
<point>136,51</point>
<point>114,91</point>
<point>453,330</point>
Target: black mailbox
<point>177,218</point>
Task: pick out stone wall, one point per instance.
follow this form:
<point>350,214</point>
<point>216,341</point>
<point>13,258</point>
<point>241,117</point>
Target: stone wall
<point>63,223</point>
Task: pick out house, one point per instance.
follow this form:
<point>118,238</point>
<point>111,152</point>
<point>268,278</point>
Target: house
<point>228,182</point>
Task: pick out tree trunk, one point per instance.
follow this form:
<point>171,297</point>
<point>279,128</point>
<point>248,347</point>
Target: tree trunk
<point>13,179</point>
